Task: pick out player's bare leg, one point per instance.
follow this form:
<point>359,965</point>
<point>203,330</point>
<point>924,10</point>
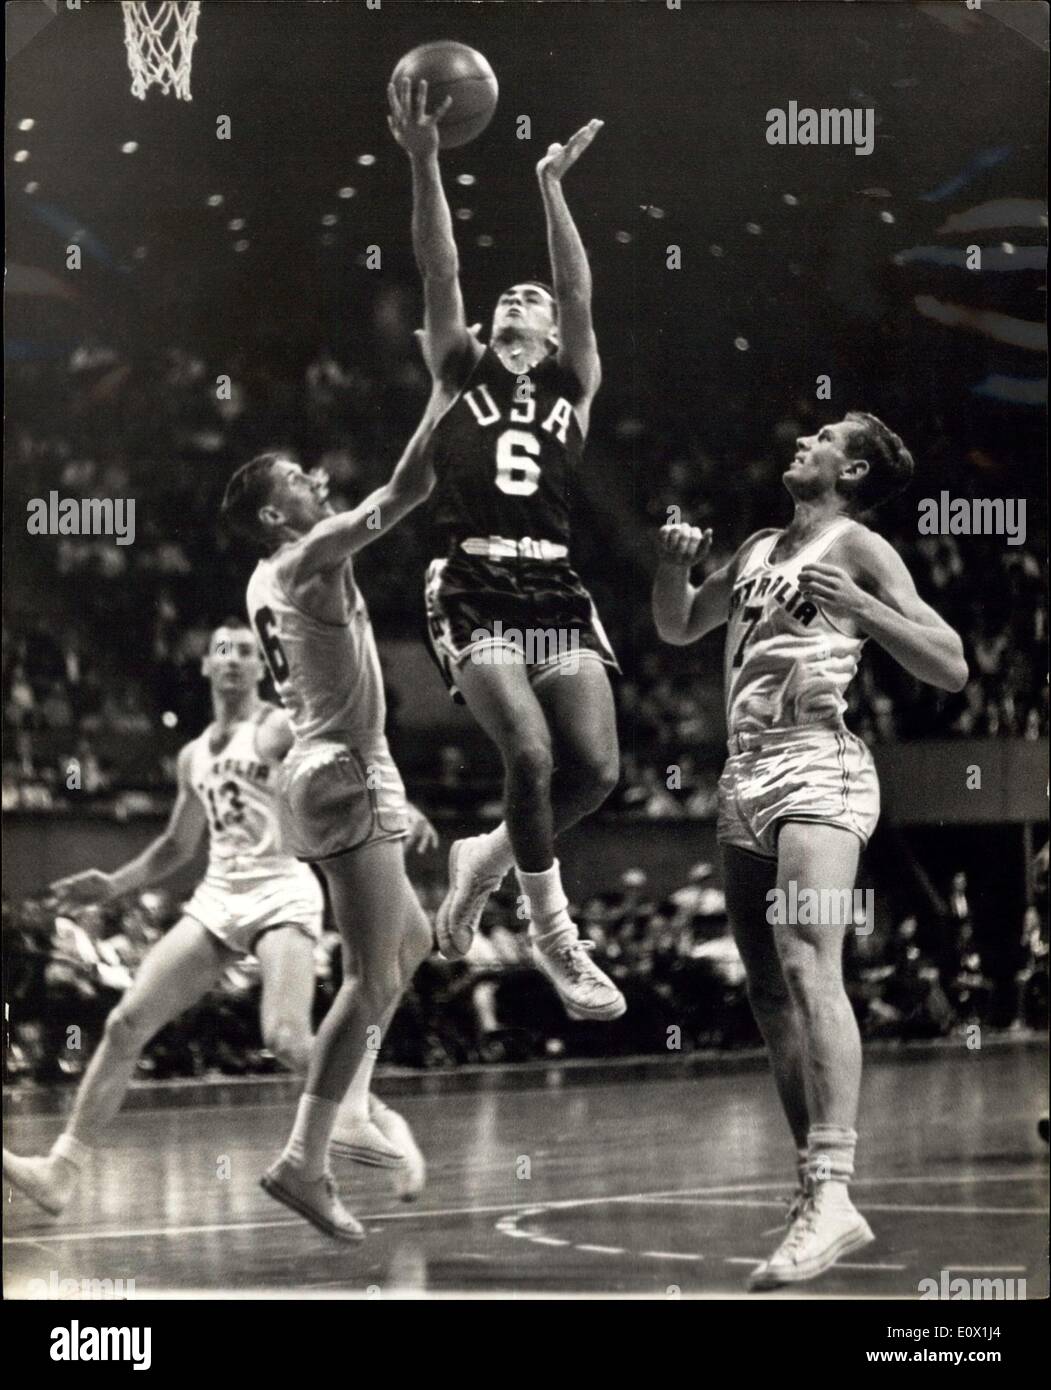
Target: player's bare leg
<point>287,965</point>
<point>286,960</point>
<point>511,713</point>
<point>578,703</point>
<point>747,880</point>
<point>821,857</point>
<point>504,703</point>
<point>385,942</point>
<point>364,1127</point>
<point>410,1175</point>
<point>177,972</point>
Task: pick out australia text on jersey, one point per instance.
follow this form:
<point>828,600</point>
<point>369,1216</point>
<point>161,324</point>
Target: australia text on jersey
<point>777,588</point>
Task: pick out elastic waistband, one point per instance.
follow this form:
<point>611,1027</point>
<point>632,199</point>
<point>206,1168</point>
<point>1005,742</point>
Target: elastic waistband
<point>331,745</point>
<point>500,548</point>
<point>748,741</point>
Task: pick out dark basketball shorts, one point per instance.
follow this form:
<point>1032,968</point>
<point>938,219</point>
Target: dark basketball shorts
<point>334,798</point>
<point>534,613</point>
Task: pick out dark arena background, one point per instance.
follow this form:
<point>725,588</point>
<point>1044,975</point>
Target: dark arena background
<point>191,282</point>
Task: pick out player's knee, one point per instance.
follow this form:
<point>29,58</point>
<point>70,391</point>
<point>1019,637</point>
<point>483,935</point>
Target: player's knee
<point>811,983</point>
<point>601,774</point>
<point>530,761</point>
<point>126,1032</point>
<point>380,983</point>
<point>289,1042</point>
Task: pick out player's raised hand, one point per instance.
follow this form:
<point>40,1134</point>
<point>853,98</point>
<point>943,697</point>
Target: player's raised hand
<point>833,588</point>
<point>559,158</point>
<point>683,544</point>
<point>84,889</point>
<point>415,131</point>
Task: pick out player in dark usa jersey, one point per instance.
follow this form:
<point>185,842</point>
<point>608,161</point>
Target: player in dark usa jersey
<point>513,629</point>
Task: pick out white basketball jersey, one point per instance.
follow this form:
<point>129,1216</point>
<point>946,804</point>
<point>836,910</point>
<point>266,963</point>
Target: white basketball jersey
<point>786,662</point>
<point>327,674</point>
<point>237,787</point>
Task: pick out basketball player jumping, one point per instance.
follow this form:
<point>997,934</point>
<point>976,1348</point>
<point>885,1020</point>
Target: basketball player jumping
<point>253,898</point>
<point>341,798</point>
<point>511,624</point>
<point>799,796</point>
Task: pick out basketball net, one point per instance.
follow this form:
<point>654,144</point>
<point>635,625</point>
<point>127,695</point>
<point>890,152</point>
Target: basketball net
<point>160,39</point>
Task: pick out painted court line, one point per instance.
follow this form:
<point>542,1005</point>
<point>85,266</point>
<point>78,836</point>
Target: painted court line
<point>869,1206</point>
<point>509,1208</point>
<point>668,1255</point>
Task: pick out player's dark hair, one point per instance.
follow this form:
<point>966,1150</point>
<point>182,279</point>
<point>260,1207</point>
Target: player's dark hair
<point>891,466</point>
<point>246,492</point>
<point>542,284</point>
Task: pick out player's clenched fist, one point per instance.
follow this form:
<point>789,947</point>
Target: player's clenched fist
<point>683,544</point>
<point>834,589</point>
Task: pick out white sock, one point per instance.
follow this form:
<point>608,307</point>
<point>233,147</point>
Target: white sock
<point>832,1193</point>
<point>73,1150</point>
<point>494,849</point>
<point>308,1143</point>
<point>354,1107</point>
<point>549,921</point>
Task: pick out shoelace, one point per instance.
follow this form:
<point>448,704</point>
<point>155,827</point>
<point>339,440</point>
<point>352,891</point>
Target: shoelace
<point>802,1227</point>
<point>795,1206</point>
<point>577,958</point>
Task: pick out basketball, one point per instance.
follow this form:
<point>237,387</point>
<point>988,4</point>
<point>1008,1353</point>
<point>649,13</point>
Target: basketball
<point>456,70</point>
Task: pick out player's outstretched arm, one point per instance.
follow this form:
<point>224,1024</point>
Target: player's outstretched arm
<point>570,272</point>
<point>878,594</point>
<point>447,344</point>
<point>172,849</point>
<point>333,541</point>
<point>685,612</point>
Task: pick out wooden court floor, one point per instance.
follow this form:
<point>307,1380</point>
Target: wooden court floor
<point>651,1181</point>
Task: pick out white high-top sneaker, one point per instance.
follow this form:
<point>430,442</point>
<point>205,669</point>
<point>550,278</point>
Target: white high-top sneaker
<point>363,1141</point>
<point>315,1199</point>
<point>471,882</point>
<point>48,1181</point>
<point>827,1227</point>
<point>586,991</point>
<point>410,1176</point>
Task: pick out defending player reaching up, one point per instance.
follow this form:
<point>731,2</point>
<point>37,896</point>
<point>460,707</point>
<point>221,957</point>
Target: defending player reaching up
<point>342,800</point>
<point>510,622</point>
<point>799,796</point>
